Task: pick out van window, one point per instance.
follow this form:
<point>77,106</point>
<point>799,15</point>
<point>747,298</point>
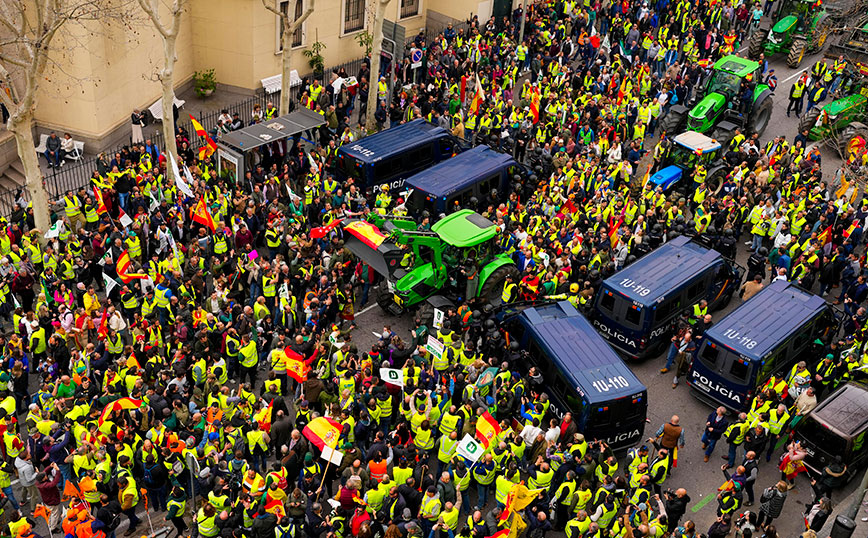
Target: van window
<point>607,301</point>
<point>447,145</point>
<point>694,292</point>
<point>710,353</point>
<point>802,338</point>
<point>633,315</point>
<point>739,369</point>
<point>668,308</point>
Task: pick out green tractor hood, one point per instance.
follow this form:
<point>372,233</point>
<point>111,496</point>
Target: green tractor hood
<point>784,25</point>
<point>702,116</point>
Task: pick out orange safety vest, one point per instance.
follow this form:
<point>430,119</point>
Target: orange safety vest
<point>378,470</point>
<point>214,413</point>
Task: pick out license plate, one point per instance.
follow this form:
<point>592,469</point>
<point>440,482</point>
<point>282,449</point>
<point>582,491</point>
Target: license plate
<point>398,300</point>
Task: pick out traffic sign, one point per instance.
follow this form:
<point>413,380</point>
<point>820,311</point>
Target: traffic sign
<point>415,58</point>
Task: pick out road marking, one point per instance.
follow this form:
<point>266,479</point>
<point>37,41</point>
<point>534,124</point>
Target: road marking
<point>791,77</point>
<point>366,309</point>
<point>707,499</point>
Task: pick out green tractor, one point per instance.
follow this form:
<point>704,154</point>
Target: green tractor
<point>844,119</point>
<point>714,107</point>
<point>802,26</point>
<point>458,259</point>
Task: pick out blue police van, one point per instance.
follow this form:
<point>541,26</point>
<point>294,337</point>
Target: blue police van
<point>582,374</point>
<point>638,307</point>
<point>392,155</point>
<point>765,336</point>
<point>475,173</point>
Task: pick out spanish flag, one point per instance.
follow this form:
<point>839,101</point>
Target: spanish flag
<point>122,268</point>
<point>100,203</point>
<point>295,366</point>
<point>534,104</point>
<point>366,232</point>
<point>825,236</point>
<point>210,146</point>
<point>118,405</point>
<point>850,229</point>
<point>202,216</point>
<point>478,98</point>
<point>487,429</point>
<point>323,431</point>
<point>613,233</point>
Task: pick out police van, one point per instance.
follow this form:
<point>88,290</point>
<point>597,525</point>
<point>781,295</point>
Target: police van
<point>765,336</point>
<point>582,374</point>
<point>451,184</point>
<point>638,307</point>
<point>392,155</point>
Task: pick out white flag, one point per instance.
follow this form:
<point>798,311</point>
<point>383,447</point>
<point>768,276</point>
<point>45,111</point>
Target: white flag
<point>154,202</point>
<point>188,175</point>
<point>55,230</point>
<point>124,219</point>
<point>179,181</point>
<point>110,284</point>
<point>393,376</point>
<point>469,448</point>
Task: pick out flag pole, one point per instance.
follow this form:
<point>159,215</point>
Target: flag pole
<point>322,481</point>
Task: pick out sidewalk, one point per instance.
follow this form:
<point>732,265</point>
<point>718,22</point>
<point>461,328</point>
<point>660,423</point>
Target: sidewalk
<point>842,506</point>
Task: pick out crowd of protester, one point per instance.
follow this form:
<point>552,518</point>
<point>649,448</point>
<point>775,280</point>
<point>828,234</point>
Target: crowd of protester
<point>172,390</point>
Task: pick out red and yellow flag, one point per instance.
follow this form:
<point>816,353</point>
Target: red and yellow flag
<point>478,98</point>
<point>825,236</point>
<point>210,146</point>
<point>122,268</point>
<point>295,366</point>
<point>118,405</point>
<point>487,429</point>
<point>366,232</point>
<point>534,104</point>
<point>202,216</point>
<point>613,233</point>
<point>100,203</point>
<point>323,431</point>
<point>850,229</point>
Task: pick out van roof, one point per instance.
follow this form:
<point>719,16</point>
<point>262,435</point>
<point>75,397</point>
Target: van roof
<point>456,173</point>
<point>765,320</point>
<point>392,140</point>
<point>846,410</point>
<point>663,270</point>
<point>581,353</point>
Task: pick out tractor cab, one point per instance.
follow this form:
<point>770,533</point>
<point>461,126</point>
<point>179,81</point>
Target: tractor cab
<point>687,150</point>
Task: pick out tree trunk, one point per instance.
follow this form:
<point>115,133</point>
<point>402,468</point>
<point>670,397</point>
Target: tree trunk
<point>22,128</point>
<point>167,80</point>
<point>286,66</point>
<point>376,53</point>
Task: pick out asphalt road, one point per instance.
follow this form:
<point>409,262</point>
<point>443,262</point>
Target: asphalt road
<point>700,479</point>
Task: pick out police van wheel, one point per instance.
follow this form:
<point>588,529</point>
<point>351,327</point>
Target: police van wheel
<point>757,44</point>
<point>809,119</point>
<point>492,290</point>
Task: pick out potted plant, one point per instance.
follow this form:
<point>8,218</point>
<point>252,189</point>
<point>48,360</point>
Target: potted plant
<point>204,82</point>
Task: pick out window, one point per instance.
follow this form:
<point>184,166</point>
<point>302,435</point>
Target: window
<point>634,314</point>
<point>294,14</point>
<point>607,301</point>
<point>296,36</point>
<point>695,291</point>
<point>739,369</point>
<point>354,15</point>
<point>409,8</point>
<point>710,354</point>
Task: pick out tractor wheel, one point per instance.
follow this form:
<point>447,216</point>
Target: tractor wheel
<point>809,119</point>
<point>492,290</point>
<point>723,138</point>
<point>821,33</point>
<point>715,179</point>
<point>853,140</point>
<point>759,118</point>
<point>797,52</point>
<point>425,312</point>
<point>672,123</point>
<point>757,44</point>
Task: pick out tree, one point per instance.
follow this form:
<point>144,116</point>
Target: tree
<point>289,27</point>
<point>166,75</point>
<point>378,14</point>
<point>27,30</point>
